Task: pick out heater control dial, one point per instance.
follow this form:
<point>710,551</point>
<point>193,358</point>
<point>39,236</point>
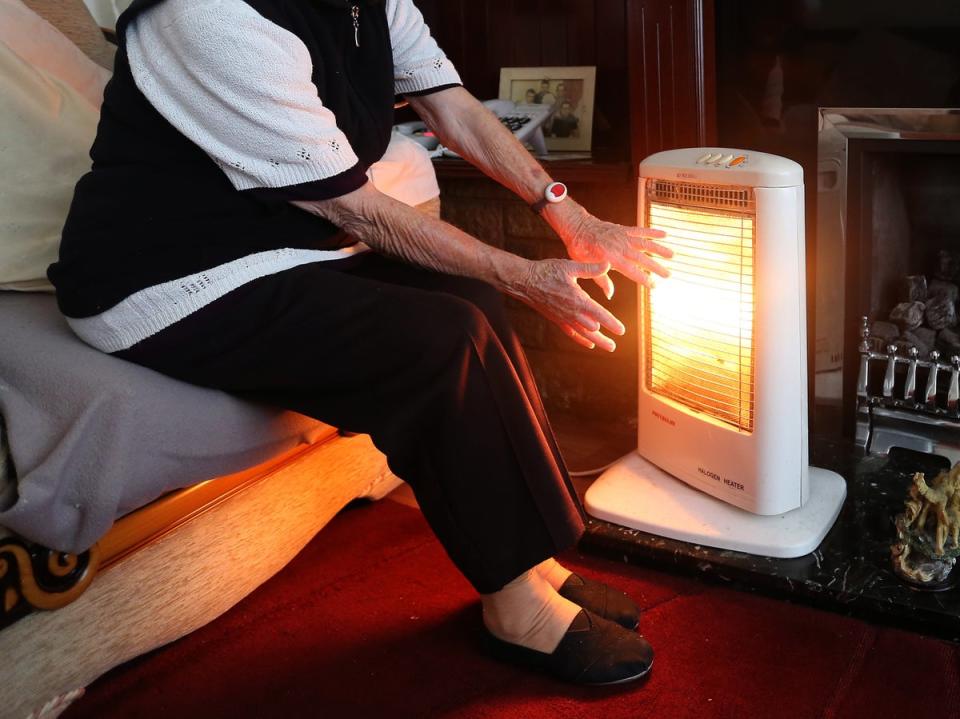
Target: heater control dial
<point>721,159</point>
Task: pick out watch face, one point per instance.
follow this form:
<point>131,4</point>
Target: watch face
<point>555,192</point>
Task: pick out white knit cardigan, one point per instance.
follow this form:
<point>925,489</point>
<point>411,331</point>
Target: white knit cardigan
<point>239,86</point>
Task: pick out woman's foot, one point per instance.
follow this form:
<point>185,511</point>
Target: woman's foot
<point>594,651</point>
<point>602,600</point>
<point>554,572</point>
<point>529,623</point>
<point>528,612</point>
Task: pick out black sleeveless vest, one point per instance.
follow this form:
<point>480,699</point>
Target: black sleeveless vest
<point>155,207</point>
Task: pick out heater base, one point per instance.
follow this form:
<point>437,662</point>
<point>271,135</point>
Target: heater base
<point>640,495</point>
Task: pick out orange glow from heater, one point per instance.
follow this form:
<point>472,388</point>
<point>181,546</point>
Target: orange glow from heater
<point>699,321</point>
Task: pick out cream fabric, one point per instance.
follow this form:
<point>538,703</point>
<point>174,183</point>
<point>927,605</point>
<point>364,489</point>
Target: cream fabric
<point>42,45</point>
<point>46,129</point>
<point>51,92</point>
<point>73,19</point>
<point>405,172</point>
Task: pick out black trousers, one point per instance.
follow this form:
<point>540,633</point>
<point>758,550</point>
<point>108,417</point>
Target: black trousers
<point>427,365</point>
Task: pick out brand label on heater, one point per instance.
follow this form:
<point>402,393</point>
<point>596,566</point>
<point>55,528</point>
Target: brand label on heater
<point>663,418</point>
<point>717,478</point>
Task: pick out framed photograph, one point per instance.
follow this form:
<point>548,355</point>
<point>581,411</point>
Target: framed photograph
<point>568,90</point>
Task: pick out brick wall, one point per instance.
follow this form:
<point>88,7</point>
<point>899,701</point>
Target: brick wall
<point>588,383</point>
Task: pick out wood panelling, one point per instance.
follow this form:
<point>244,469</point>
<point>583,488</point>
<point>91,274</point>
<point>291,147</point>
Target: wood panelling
<point>654,60</point>
<point>481,36</point>
<point>671,69</point>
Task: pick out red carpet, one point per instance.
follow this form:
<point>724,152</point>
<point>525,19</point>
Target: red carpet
<point>371,620</point>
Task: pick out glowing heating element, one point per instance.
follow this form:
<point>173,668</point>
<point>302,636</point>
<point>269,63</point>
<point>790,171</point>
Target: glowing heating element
<point>699,348</point>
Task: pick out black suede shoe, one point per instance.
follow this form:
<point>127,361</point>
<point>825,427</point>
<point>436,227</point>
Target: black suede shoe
<point>602,600</point>
<point>594,651</point>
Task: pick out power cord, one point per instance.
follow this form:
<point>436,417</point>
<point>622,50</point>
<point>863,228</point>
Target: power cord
<point>591,472</point>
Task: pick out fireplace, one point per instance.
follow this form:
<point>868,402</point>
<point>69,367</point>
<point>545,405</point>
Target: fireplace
<point>887,276</point>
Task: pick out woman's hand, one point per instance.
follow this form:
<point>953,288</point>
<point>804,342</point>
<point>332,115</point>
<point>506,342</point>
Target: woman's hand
<point>464,125</point>
<point>627,249</point>
<point>550,287</point>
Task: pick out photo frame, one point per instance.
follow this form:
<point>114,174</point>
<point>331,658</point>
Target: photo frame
<point>569,89</point>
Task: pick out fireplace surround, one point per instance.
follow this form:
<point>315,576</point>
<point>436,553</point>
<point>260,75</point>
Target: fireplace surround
<point>888,214</point>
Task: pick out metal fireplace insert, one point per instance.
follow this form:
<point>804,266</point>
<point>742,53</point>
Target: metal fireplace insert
<point>887,350</point>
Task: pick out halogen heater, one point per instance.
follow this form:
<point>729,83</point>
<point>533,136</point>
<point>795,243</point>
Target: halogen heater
<point>722,456</point>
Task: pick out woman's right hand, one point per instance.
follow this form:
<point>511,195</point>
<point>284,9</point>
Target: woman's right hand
<point>550,287</point>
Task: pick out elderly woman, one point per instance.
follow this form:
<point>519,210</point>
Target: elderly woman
<point>228,236</point>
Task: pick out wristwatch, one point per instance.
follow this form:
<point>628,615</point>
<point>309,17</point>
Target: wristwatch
<point>552,193</point>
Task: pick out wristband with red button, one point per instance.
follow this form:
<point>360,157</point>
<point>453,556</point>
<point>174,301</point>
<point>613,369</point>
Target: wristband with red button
<point>553,193</point>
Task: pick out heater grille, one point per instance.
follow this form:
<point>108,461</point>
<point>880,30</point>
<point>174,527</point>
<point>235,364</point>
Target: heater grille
<point>699,322</point>
<point>701,195</point>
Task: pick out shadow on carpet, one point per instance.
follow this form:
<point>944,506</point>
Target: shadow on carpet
<point>372,620</point>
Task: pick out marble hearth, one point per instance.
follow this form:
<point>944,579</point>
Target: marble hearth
<point>849,573</point>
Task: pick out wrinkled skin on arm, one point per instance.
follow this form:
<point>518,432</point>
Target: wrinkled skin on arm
<point>549,286</point>
<point>465,125</point>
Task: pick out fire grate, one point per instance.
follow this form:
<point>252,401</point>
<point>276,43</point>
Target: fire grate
<point>907,401</point>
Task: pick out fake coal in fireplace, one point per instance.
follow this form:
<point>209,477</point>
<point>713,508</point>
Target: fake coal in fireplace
<point>888,277</point>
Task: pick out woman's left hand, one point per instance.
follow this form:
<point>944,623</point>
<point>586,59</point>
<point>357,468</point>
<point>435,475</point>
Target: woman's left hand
<point>629,250</point>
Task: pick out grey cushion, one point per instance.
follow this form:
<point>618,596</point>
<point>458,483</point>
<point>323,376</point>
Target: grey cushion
<point>93,437</point>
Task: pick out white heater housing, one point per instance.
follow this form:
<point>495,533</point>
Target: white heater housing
<point>723,370</point>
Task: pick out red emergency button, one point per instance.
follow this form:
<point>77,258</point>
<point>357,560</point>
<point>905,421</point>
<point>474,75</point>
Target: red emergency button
<point>738,160</point>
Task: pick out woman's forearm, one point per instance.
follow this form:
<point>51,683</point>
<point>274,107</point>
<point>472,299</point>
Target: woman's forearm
<point>395,229</point>
<point>475,133</point>
<point>466,126</point>
<point>549,286</point>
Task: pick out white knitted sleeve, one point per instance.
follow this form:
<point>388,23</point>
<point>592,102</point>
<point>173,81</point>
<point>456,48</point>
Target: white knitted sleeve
<point>240,87</point>
<point>419,64</point>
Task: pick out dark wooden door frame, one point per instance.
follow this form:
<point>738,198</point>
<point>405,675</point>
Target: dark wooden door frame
<point>672,75</point>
